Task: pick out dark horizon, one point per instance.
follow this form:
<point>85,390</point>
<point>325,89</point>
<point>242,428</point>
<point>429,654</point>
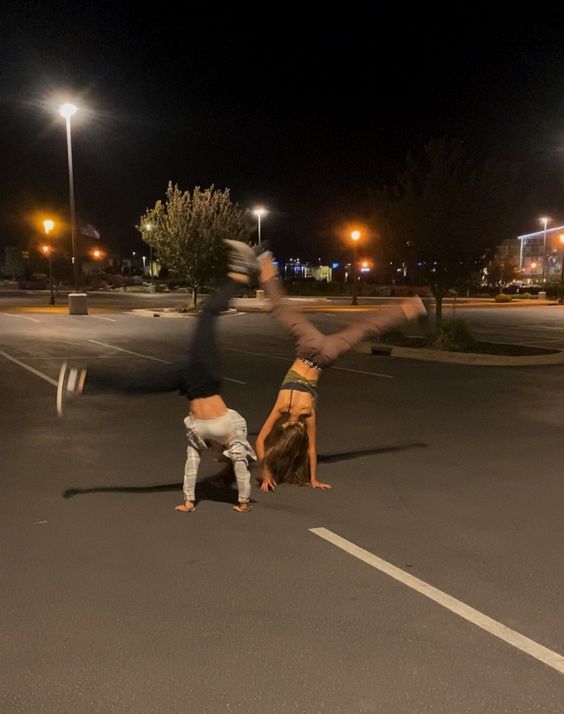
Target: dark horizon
<point>303,120</point>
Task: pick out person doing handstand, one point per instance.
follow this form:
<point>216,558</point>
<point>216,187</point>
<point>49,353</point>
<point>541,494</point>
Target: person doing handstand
<point>209,423</point>
<point>286,444</point>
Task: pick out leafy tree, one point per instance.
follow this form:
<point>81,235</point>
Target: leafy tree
<point>187,232</point>
<point>444,212</point>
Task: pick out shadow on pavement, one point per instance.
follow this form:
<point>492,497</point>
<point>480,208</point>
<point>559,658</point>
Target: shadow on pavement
<point>219,487</point>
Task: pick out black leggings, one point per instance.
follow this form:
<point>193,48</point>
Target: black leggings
<point>197,376</point>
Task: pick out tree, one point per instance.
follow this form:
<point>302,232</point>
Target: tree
<point>444,212</point>
<point>187,231</point>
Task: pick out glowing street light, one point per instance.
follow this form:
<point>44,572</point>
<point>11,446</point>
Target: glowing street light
<point>561,269</point>
<point>149,227</point>
<point>259,213</point>
<point>355,236</point>
<point>544,220</point>
<point>48,225</point>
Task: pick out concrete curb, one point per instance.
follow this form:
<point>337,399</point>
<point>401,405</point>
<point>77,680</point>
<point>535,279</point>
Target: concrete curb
<point>479,360</point>
<point>171,312</point>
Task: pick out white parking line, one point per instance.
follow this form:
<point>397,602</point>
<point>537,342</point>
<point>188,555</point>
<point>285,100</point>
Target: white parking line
<point>21,317</point>
<point>137,354</point>
<point>155,359</point>
<point>29,369</point>
<point>287,359</point>
<point>497,629</point>
<point>99,317</point>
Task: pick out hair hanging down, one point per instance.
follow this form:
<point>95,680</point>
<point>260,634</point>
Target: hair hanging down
<point>286,450</point>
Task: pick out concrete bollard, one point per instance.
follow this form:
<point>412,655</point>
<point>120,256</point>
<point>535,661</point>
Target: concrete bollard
<point>78,304</point>
<point>542,295</point>
<point>260,294</point>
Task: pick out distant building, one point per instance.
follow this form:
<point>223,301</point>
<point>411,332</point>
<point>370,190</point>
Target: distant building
<point>296,269</point>
<point>540,256</point>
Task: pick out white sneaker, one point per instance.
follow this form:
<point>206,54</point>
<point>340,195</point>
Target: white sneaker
<point>242,258</point>
<point>70,384</point>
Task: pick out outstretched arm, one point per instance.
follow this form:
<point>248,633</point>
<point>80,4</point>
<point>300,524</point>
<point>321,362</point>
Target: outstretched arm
<point>311,426</point>
<point>268,483</point>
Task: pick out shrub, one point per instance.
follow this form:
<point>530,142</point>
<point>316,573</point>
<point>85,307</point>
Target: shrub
<point>393,337</point>
<point>503,297</point>
<point>454,335</point>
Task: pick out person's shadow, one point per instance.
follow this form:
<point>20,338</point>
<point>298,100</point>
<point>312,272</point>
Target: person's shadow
<point>221,486</point>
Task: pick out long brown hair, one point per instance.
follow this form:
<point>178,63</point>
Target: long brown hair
<point>286,454</point>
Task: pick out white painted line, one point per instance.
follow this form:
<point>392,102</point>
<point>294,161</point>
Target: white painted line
<point>497,629</point>
<point>287,359</point>
<point>155,359</point>
<point>99,317</point>
<point>360,371</point>
<point>21,317</point>
<point>137,354</point>
<point>29,369</point>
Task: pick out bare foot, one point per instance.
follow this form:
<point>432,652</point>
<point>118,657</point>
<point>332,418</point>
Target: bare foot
<point>413,308</point>
<point>243,507</point>
<point>267,268</point>
<point>186,507</point>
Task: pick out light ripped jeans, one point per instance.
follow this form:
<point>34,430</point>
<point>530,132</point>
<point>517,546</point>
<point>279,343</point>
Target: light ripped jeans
<point>230,431</point>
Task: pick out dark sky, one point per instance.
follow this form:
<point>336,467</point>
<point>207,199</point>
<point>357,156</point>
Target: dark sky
<point>298,115</point>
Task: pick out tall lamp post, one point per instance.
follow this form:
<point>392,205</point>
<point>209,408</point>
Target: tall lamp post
<point>68,110</point>
<point>544,220</point>
<point>560,299</point>
<point>259,213</point>
<point>77,300</point>
<point>149,227</point>
<point>355,235</point>
<point>47,250</point>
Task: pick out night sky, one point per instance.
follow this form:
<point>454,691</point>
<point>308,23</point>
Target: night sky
<point>301,117</point>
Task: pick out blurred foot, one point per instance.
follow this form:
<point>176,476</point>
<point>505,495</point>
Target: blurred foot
<point>242,258</point>
<point>266,267</point>
<point>70,385</point>
<point>413,308</point>
<point>261,248</point>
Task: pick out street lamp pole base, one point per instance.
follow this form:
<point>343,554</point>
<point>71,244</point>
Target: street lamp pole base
<point>78,304</point>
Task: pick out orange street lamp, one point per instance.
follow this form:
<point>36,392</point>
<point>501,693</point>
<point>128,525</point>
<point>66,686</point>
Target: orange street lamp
<point>561,269</point>
<point>355,236</point>
<point>544,220</point>
<point>48,225</point>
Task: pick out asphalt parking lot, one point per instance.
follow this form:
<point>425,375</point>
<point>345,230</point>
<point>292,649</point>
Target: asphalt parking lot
<point>451,474</point>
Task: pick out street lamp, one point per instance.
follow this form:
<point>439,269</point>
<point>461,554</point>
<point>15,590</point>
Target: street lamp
<point>48,226</point>
<point>259,212</point>
<point>149,227</point>
<point>560,300</point>
<point>68,110</point>
<point>544,220</point>
<point>47,250</point>
<point>355,235</point>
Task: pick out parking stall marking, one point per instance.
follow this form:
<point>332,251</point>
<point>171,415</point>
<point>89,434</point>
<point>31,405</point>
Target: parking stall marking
<point>287,359</point>
<point>155,359</point>
<point>99,317</point>
<point>497,629</point>
<point>21,317</point>
<point>29,368</point>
